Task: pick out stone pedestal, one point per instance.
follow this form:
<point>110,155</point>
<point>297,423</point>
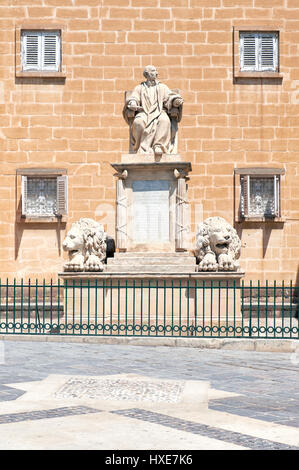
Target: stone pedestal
<point>151,263</point>
<point>151,200</point>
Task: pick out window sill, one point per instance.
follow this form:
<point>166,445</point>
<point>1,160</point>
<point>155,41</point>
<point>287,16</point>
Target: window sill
<point>258,75</point>
<point>262,219</point>
<point>42,220</point>
<point>41,74</point>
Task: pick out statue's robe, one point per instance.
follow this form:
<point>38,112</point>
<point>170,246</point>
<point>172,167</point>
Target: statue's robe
<point>153,123</point>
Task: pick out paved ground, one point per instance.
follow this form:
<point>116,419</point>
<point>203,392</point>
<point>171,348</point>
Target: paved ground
<point>50,398</point>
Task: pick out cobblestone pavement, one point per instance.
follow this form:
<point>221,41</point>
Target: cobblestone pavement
<point>266,384</point>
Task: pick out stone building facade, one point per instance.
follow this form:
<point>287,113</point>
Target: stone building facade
<point>68,122</point>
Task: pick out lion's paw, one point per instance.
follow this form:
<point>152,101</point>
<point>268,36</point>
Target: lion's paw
<point>74,267</point>
<point>209,263</point>
<point>226,263</point>
<point>93,264</point>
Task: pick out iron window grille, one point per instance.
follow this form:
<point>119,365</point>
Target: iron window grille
<point>44,196</point>
<point>260,196</point>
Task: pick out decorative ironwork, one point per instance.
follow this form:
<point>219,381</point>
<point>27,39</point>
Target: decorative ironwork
<point>262,197</point>
<point>268,311</point>
<point>41,196</point>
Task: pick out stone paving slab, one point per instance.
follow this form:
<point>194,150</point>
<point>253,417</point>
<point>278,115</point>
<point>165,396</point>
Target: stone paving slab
<point>251,394</point>
<point>132,388</point>
<point>46,414</point>
<point>103,431</point>
<point>233,437</point>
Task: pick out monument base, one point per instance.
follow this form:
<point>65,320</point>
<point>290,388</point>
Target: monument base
<point>151,203</point>
<point>148,262</point>
<point>164,304</point>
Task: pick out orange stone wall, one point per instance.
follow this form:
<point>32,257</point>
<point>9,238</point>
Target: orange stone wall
<point>76,123</point>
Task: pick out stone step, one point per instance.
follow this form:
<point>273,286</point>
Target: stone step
<point>154,254</point>
<point>150,268</point>
<point>187,261</point>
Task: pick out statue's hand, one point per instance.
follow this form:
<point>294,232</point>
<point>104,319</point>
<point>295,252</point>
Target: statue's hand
<point>177,102</point>
<point>132,105</point>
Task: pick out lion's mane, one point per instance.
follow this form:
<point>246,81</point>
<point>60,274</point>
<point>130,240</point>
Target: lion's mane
<point>204,231</point>
<point>93,240</point>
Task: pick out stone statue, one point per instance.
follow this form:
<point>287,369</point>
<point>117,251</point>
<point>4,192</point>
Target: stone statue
<point>153,111</point>
<point>218,245</point>
<point>86,245</point>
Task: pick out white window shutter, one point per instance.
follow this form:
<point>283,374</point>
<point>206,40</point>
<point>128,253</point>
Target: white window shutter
<point>258,51</point>
<point>31,47</point>
<point>249,52</point>
<point>276,196</point>
<point>62,195</point>
<point>245,196</point>
<point>268,52</point>
<point>24,195</point>
<point>50,51</point>
<point>40,50</point>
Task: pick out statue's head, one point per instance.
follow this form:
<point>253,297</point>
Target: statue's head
<point>84,236</point>
<point>218,236</point>
<point>220,240</point>
<point>150,72</point>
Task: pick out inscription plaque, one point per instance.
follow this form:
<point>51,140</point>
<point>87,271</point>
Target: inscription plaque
<point>150,211</point>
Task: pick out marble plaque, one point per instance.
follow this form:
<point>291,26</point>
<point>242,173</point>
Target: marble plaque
<point>150,211</point>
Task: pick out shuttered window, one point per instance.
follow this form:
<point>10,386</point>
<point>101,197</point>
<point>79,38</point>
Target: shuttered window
<point>260,196</point>
<point>44,196</point>
<point>259,51</point>
<point>40,50</point>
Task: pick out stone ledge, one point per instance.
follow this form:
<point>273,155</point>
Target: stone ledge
<point>150,158</point>
<point>162,165</point>
<point>246,344</point>
<point>224,275</point>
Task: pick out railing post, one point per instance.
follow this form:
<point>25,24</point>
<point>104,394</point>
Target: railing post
<point>242,303</point>
<point>226,308</point>
<point>282,310</point>
<point>141,307</point>
<point>291,308</point>
<point>219,308</point>
<point>134,313</point>
<point>211,309</point>
<point>96,307</point>
<point>21,316</point>
<point>28,313</point>
<point>234,327</point>
<point>267,309</point>
<point>88,306</point>
<point>203,306</point>
<point>14,305</point>
<point>274,319</point>
<point>258,307</point>
<point>6,315</point>
<point>250,309</point>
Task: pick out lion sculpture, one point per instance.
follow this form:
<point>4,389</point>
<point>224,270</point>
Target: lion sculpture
<point>86,245</point>
<point>218,245</point>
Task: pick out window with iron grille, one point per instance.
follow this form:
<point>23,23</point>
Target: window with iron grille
<point>40,50</point>
<point>260,196</point>
<point>44,196</point>
<point>259,51</point>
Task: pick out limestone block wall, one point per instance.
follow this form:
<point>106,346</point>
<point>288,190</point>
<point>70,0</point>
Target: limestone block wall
<point>76,122</point>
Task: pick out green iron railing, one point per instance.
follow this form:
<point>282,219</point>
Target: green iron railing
<point>148,307</point>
